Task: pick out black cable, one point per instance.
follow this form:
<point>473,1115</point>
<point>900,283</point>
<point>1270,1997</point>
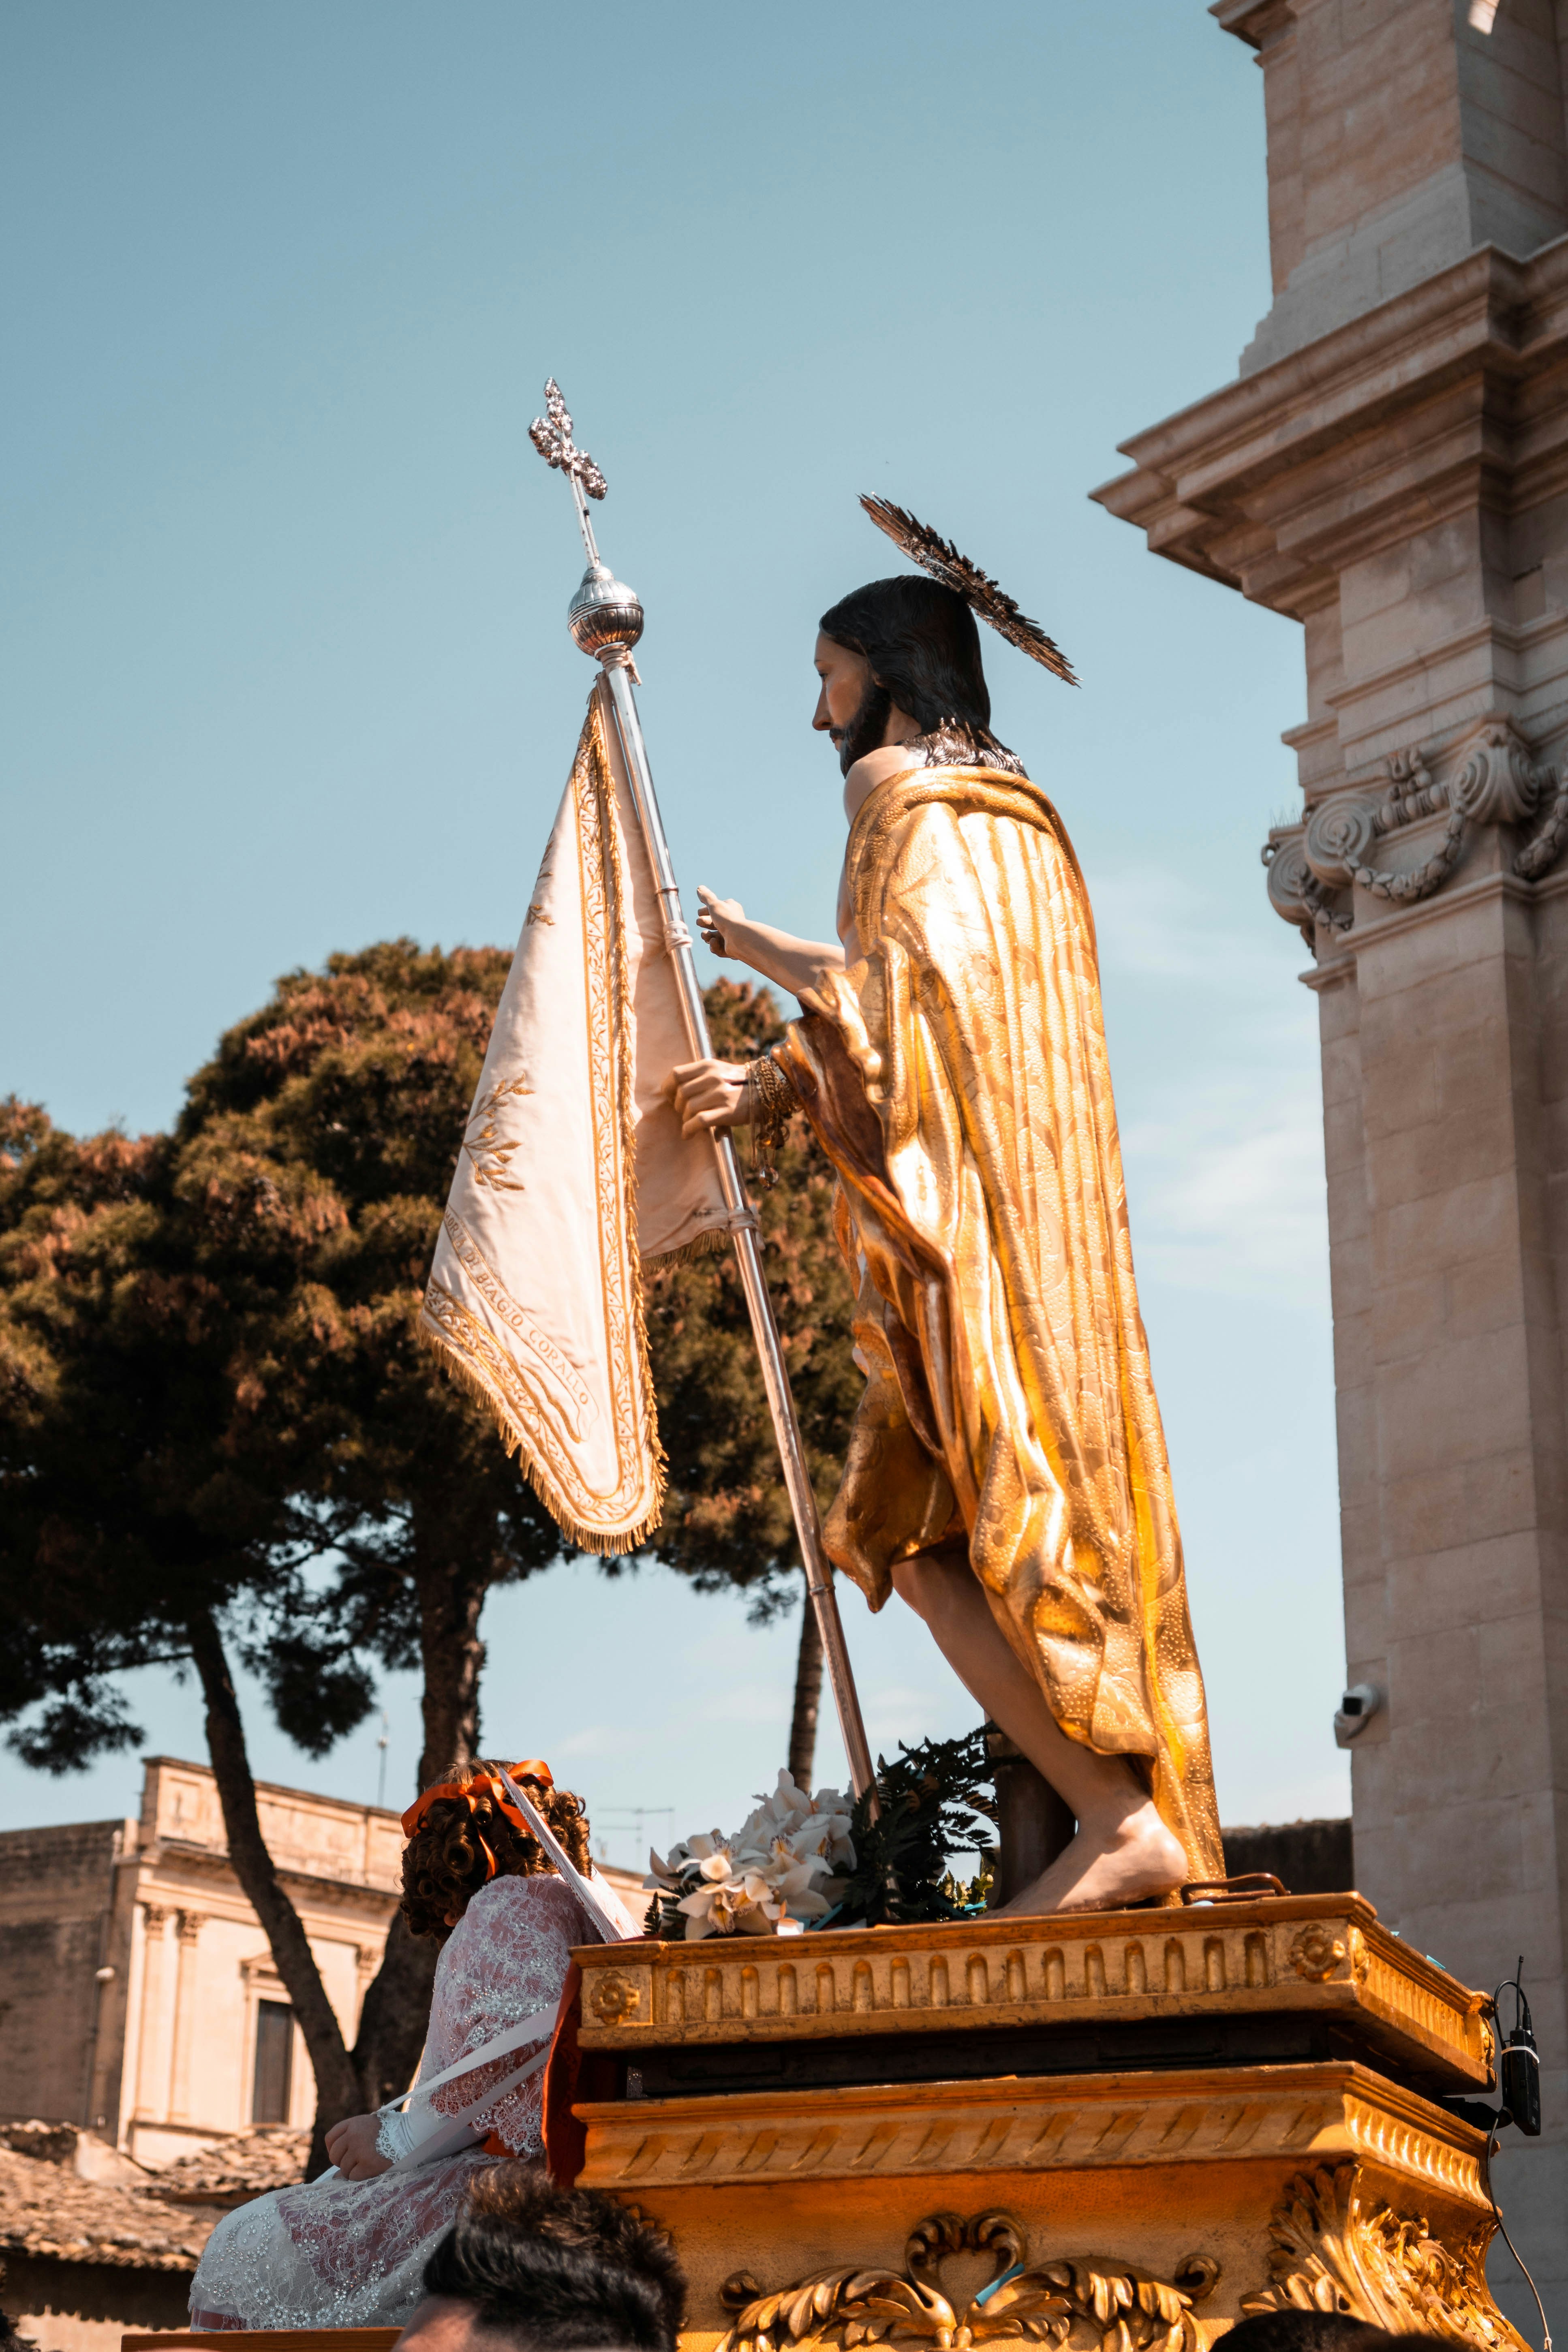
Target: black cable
<point>1502,2228</point>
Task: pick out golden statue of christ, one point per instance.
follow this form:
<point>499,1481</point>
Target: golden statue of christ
<point>1007,1473</point>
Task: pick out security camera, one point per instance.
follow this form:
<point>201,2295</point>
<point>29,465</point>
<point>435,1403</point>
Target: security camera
<point>1355,1711</point>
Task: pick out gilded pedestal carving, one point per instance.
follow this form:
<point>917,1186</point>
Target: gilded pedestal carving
<point>1337,2248</point>
<point>1162,2119</point>
<point>1079,2304</point>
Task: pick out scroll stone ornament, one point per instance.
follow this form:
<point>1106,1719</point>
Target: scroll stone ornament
<point>1085,2303</point>
<point>1335,2247</point>
<point>1338,840</point>
<point>1496,783</point>
<point>1499,782</point>
<point>1293,889</point>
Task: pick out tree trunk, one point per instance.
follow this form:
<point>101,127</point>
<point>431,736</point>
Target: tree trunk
<point>450,1590</point>
<point>337,2085</point>
<point>808,1699</point>
<point>395,2014</point>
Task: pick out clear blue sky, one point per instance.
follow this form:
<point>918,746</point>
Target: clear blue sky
<point>286,669</point>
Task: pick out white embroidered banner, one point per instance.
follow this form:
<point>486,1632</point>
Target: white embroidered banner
<point>572,1169</point>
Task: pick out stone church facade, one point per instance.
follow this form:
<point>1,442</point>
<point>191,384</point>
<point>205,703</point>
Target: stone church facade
<point>141,1998</point>
<point>1390,467</point>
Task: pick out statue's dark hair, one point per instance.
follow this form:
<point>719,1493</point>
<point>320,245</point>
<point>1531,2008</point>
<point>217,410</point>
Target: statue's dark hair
<point>559,2270</point>
<point>924,649</point>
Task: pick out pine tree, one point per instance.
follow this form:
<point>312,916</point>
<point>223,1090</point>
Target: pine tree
<point>222,1436</point>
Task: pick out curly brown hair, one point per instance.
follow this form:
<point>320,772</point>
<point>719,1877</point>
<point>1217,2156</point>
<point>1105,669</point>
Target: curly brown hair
<point>444,1863</point>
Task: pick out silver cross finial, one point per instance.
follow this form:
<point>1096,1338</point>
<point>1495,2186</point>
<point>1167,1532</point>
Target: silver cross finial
<point>552,436</point>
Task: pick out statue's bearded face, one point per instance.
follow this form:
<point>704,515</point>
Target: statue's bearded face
<point>852,709</point>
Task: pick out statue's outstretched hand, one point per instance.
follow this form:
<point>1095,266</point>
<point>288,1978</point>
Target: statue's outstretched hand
<point>710,1095</point>
<point>716,919</point>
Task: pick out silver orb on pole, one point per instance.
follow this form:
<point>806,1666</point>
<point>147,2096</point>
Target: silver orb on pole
<point>605,616</point>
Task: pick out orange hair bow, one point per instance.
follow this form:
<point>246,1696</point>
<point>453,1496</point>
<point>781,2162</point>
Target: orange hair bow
<point>469,1792</point>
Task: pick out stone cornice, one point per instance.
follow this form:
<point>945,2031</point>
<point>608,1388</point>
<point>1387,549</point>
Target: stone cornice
<point>1253,21</point>
<point>213,1861</point>
<point>1417,406</point>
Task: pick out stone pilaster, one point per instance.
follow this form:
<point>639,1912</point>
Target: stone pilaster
<point>1390,468</point>
<point>152,2045</point>
<point>188,1930</point>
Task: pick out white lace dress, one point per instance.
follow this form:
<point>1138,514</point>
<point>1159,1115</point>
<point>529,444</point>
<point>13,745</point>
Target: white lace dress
<point>349,2253</point>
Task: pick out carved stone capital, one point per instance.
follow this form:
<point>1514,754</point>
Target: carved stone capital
<point>154,1916</point>
<point>1342,840</point>
<point>190,1926</point>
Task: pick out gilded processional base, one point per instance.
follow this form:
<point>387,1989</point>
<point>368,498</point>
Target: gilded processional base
<point>1119,2130</point>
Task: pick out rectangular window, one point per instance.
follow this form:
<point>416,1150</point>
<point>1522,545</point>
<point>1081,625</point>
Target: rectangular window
<point>274,2062</point>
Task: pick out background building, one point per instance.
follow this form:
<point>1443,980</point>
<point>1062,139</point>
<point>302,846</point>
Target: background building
<point>139,1999</point>
<point>1390,467</point>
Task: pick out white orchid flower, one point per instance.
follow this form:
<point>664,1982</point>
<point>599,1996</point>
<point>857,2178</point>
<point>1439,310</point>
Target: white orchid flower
<point>748,1883</point>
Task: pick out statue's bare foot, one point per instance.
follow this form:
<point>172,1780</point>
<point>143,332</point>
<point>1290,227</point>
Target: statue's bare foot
<point>1104,1869</point>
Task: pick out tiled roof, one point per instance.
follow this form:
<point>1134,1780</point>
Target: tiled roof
<point>46,2209</point>
<point>234,2172</point>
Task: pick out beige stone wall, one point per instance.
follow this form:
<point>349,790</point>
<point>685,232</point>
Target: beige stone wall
<point>1398,141</point>
<point>50,1951</point>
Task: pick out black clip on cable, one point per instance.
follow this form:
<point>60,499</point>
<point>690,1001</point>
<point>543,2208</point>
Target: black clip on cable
<point>1518,2064</point>
<point>1518,2081</point>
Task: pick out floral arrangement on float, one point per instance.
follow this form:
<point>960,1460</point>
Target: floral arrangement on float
<point>800,1862</point>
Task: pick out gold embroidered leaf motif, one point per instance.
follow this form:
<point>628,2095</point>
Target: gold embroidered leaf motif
<point>481,1140</point>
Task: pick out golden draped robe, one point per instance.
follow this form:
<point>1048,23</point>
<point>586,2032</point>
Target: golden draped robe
<point>957,1078</point>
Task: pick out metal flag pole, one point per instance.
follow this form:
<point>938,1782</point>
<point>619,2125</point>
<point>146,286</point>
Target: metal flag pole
<point>605,619</point>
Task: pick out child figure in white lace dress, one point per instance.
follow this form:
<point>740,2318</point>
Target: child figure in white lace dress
<point>347,2250</point>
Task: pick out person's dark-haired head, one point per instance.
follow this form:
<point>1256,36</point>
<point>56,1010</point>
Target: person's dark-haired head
<point>1314,2331</point>
<point>541,2269</point>
<point>922,646</point>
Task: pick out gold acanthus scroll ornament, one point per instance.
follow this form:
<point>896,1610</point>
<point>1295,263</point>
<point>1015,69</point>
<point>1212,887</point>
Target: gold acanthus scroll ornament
<point>1336,2247</point>
<point>1088,2303</point>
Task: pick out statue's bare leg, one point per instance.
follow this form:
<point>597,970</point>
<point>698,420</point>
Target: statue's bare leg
<point>1122,1851</point>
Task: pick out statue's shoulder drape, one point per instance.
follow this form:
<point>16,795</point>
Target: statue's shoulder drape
<point>957,1077</point>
